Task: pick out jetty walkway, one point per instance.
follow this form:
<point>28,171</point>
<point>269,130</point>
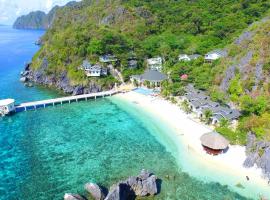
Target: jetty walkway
<point>52,102</point>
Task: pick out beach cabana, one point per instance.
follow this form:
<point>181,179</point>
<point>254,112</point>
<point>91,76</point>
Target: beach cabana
<point>214,143</point>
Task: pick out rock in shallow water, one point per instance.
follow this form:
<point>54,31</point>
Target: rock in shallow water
<point>121,191</point>
<point>143,185</point>
<point>73,197</point>
<point>95,191</point>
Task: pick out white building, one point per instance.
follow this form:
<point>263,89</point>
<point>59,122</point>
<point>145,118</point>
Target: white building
<point>7,106</point>
<point>214,55</point>
<point>155,64</point>
<point>96,71</point>
<point>185,57</point>
<point>107,58</point>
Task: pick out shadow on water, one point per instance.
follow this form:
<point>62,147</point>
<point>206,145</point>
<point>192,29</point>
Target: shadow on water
<point>159,183</point>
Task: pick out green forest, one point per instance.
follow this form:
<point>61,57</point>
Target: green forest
<point>167,28</point>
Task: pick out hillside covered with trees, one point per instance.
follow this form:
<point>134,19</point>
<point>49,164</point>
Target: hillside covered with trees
<point>148,28</point>
<point>166,28</point>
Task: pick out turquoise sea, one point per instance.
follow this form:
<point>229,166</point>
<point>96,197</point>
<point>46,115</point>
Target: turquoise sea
<point>46,153</point>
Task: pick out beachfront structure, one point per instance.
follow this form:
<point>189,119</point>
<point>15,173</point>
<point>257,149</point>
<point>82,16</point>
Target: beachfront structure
<point>96,71</point>
<point>153,76</point>
<point>214,143</point>
<point>199,103</point>
<point>214,55</point>
<point>107,58</point>
<point>155,63</point>
<point>185,57</point>
<point>7,106</point>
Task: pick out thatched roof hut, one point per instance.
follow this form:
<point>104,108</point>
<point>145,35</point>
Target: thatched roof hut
<point>214,143</point>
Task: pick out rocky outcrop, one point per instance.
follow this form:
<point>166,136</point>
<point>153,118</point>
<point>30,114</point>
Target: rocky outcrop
<point>39,19</point>
<point>145,184</point>
<point>73,197</point>
<point>96,192</point>
<point>60,82</point>
<point>34,20</point>
<point>258,153</point>
<point>121,191</point>
<point>229,75</point>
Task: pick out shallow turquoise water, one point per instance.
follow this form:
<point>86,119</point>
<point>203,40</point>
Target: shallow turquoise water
<point>46,153</point>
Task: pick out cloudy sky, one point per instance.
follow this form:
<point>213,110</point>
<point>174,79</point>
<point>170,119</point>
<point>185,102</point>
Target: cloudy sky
<point>11,9</point>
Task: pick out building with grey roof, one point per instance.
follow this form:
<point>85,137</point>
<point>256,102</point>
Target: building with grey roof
<point>96,71</point>
<point>199,103</point>
<point>185,57</point>
<point>153,76</point>
<point>216,54</point>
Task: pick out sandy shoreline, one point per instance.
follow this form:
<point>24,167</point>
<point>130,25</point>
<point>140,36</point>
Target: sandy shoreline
<point>226,169</point>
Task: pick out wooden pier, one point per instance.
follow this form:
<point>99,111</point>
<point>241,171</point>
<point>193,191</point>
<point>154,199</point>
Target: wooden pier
<point>52,102</point>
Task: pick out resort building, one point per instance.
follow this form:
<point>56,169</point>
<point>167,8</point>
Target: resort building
<point>214,143</point>
<point>155,64</point>
<point>107,58</point>
<point>153,76</point>
<point>132,63</point>
<point>199,103</point>
<point>96,71</point>
<point>185,57</point>
<point>214,55</point>
<point>7,106</point>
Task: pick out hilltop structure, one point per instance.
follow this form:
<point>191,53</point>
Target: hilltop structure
<point>215,55</point>
<point>185,57</point>
<point>155,63</point>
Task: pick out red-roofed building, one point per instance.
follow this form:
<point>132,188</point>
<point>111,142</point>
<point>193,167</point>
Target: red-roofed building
<point>184,77</point>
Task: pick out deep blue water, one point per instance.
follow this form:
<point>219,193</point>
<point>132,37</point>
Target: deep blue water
<point>46,153</point>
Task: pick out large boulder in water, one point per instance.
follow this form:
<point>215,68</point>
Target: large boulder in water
<point>95,191</point>
<point>73,197</point>
<point>121,191</point>
<point>145,184</point>
<point>23,79</point>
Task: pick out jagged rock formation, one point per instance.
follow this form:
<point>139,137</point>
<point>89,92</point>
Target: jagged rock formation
<point>61,82</point>
<point>73,197</point>
<point>96,192</point>
<point>34,20</point>
<point>145,184</point>
<point>258,153</point>
<point>38,19</point>
<point>248,56</point>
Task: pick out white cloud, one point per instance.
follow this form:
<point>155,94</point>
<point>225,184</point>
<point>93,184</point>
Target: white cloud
<point>11,9</point>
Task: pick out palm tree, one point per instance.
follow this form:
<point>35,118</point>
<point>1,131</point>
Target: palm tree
<point>185,106</point>
<point>208,114</point>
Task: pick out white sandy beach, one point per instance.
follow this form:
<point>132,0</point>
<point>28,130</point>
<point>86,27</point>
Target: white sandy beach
<point>226,169</point>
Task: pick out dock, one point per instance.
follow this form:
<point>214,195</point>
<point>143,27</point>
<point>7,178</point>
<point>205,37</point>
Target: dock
<point>52,102</point>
